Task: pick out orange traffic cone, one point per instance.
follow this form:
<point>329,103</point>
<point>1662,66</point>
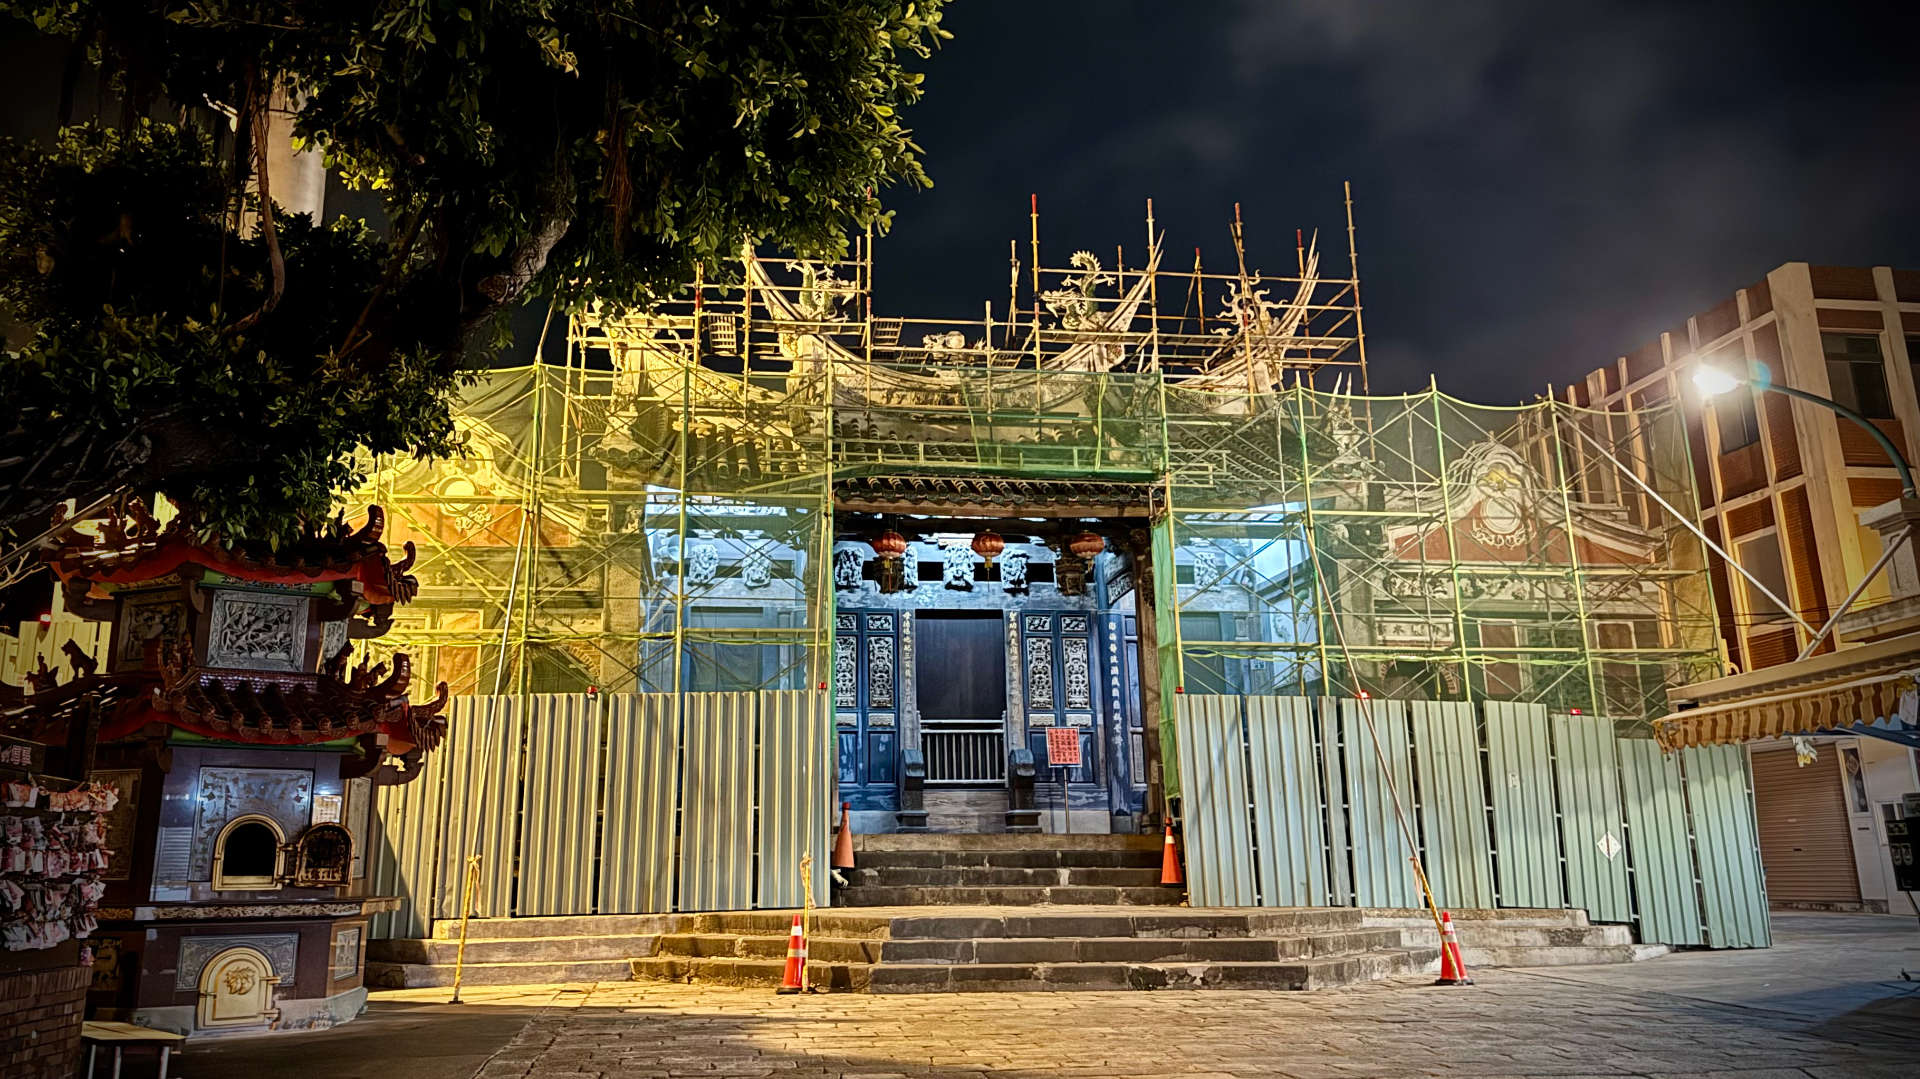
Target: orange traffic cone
<point>795,978</point>
<point>1170,861</point>
<point>843,843</point>
<point>1453,969</point>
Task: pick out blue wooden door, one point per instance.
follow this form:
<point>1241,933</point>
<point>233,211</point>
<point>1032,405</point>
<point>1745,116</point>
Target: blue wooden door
<point>866,705</point>
<point>1058,668</point>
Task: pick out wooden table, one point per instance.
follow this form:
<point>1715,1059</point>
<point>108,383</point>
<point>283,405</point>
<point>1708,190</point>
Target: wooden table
<point>120,1035</point>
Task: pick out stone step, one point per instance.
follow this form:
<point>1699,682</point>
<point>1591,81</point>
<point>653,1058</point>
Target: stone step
<point>913,896</point>
<point>825,976</point>
<point>1046,841</point>
<point>1502,935</point>
<point>1042,950</point>
<point>565,926</point>
<point>1008,859</point>
<point>380,975</point>
<point>1559,955</point>
<point>978,877</point>
<point>1119,922</point>
<point>1535,916</point>
<point>1320,973</point>
<point>727,946</point>
<point>513,949</point>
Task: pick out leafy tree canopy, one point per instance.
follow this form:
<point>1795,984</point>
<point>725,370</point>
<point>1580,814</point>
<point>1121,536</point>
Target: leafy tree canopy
<point>185,338</point>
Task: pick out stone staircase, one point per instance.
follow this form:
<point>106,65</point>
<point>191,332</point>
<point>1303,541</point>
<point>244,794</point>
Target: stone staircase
<point>977,913</point>
<point>521,951</point>
<point>1006,870</point>
<point>1043,948</point>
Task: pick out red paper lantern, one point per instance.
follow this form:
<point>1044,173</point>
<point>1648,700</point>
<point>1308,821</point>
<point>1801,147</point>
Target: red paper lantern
<point>988,545</point>
<point>890,544</point>
<point>1086,545</point>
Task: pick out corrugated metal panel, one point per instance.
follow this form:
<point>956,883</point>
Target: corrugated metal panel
<point>1525,842</point>
<point>1287,806</point>
<point>1213,803</point>
<point>1720,797</point>
<point>482,761</point>
<point>1453,803</point>
<point>716,821</point>
<point>557,819</point>
<point>1657,846</point>
<point>1590,817</point>
<point>1333,787</point>
<point>796,795</point>
<point>1382,873</point>
<point>642,787</point>
<point>403,859</point>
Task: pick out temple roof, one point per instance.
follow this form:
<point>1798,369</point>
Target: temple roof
<point>136,549</point>
<point>252,707</point>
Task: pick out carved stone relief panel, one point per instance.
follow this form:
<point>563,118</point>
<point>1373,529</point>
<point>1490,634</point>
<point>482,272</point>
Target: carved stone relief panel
<point>703,563</point>
<point>280,949</point>
<point>120,822</point>
<point>283,794</point>
<point>1040,672</point>
<point>1013,570</point>
<point>848,567</point>
<point>333,637</point>
<point>956,567</point>
<point>846,679</point>
<point>880,672</point>
<point>257,631</point>
<point>1076,672</point>
<point>161,615</point>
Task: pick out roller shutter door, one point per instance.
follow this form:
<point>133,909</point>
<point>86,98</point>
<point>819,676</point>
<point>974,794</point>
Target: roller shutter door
<point>1805,841</point>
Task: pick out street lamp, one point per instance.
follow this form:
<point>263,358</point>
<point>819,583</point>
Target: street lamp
<point>1713,381</point>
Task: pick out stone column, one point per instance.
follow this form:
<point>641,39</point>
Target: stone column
<point>1140,549</point>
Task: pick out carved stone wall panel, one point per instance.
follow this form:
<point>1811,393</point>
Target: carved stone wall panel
<point>333,637</point>
<point>281,950</point>
<point>283,794</point>
<point>1039,672</point>
<point>846,679</point>
<point>880,672</point>
<point>257,631</point>
<point>120,822</point>
<point>161,615</point>
<point>1076,672</point>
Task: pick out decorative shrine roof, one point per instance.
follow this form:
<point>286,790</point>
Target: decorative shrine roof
<point>172,688</point>
<point>136,549</point>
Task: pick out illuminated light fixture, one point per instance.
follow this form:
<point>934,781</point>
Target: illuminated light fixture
<point>1364,695</point>
<point>1713,381</point>
<point>988,545</point>
<point>1575,711</point>
<point>888,549</point>
<point>46,618</point>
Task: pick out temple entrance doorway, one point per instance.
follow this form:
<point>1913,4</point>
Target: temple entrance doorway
<point>960,642</point>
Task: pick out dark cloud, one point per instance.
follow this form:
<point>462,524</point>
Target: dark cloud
<point>1540,187</point>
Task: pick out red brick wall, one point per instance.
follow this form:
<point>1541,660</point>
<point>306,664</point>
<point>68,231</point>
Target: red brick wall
<point>40,1013</point>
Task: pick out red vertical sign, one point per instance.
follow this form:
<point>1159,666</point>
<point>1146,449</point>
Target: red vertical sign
<point>1063,747</point>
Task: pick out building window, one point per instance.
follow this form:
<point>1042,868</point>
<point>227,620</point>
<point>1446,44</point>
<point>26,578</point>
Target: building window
<point>1739,425</point>
<point>1761,558</point>
<point>1913,358</point>
<point>1857,373</point>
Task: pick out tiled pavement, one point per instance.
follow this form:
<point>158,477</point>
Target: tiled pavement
<point>1827,1003</point>
<point>1510,1024</point>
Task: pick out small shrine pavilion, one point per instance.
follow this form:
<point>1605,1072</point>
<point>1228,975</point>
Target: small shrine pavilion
<point>245,747</point>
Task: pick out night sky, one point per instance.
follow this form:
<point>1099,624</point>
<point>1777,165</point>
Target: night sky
<point>1539,187</point>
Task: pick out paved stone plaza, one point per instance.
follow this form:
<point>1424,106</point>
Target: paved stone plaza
<point>1827,1003</point>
